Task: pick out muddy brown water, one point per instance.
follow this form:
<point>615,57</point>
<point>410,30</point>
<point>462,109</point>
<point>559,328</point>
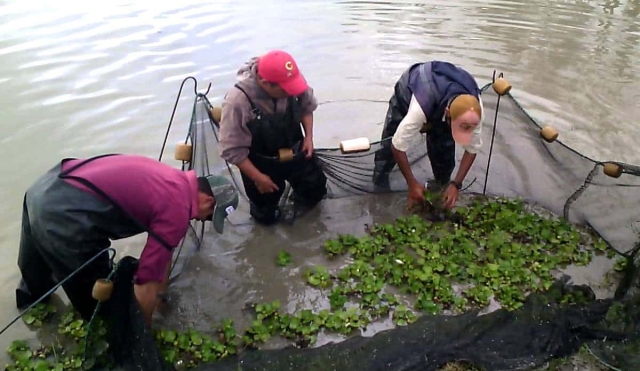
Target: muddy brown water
<point>82,79</point>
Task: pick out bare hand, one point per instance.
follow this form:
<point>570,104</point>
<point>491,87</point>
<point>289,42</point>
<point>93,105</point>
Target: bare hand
<point>265,184</point>
<point>415,194</point>
<point>307,147</point>
<point>450,196</point>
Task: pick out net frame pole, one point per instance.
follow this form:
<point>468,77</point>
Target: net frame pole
<point>493,135</point>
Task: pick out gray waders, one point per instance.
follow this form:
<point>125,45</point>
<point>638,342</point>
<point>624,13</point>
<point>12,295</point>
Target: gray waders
<point>62,228</point>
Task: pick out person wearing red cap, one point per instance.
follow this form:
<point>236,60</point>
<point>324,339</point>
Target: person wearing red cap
<point>261,119</point>
<point>444,101</point>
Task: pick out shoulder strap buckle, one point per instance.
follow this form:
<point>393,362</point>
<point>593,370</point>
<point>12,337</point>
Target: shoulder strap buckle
<point>254,109</point>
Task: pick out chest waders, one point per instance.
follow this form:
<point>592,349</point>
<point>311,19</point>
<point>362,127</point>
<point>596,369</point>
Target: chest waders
<point>276,142</point>
<point>62,228</point>
<point>440,144</point>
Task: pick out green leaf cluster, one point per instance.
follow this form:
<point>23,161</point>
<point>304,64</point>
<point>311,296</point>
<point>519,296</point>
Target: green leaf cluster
<point>492,248</point>
<point>67,353</point>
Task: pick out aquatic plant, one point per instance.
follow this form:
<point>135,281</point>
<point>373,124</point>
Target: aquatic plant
<point>440,260</point>
<point>283,259</point>
<point>68,352</point>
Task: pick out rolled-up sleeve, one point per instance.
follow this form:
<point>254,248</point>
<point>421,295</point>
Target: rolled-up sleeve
<point>235,137</point>
<point>476,138</point>
<point>308,102</point>
<point>409,128</point>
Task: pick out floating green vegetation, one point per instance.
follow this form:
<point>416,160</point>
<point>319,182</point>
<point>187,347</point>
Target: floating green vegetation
<point>445,261</point>
<point>40,313</point>
<point>283,259</point>
<point>68,352</point>
<point>487,249</point>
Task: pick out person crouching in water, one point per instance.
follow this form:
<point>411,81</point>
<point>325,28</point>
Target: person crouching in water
<point>444,101</point>
<point>261,117</point>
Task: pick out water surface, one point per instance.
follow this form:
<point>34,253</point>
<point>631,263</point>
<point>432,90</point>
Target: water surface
<point>83,79</point>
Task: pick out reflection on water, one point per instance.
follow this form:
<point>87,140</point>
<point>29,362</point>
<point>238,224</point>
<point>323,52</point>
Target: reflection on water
<point>81,79</point>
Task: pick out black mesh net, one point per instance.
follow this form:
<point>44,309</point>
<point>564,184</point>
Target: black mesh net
<point>130,341</point>
<point>523,164</point>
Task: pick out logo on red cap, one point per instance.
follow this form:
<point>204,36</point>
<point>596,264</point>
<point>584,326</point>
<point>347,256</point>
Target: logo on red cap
<point>289,67</point>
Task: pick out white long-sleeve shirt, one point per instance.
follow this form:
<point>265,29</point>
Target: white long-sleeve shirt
<point>409,129</point>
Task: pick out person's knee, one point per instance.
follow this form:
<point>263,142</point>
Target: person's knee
<point>312,190</point>
<point>317,193</point>
<point>309,199</point>
<point>265,215</point>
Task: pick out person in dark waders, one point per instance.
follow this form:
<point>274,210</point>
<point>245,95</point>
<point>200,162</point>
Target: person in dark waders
<point>261,119</point>
<point>444,101</point>
<point>72,212</point>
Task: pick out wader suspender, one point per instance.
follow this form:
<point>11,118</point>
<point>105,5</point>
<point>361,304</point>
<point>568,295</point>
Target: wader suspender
<point>284,155</point>
<point>256,111</point>
<point>425,81</point>
<point>254,108</point>
<point>91,186</point>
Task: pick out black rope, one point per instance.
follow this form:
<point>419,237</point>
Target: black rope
<point>108,249</point>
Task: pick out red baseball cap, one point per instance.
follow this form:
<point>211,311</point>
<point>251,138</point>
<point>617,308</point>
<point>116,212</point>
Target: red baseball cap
<point>279,67</point>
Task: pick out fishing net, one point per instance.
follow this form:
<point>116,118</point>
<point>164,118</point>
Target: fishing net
<point>522,164</point>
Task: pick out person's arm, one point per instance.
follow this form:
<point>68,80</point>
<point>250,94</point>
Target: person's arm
<point>171,224</point>
<point>465,165</point>
<point>307,143</point>
<point>470,152</point>
<point>403,165</point>
<point>308,104</point>
<point>235,136</point>
<point>147,296</point>
<point>247,167</point>
<point>307,124</point>
<point>408,130</point>
<point>165,283</point>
